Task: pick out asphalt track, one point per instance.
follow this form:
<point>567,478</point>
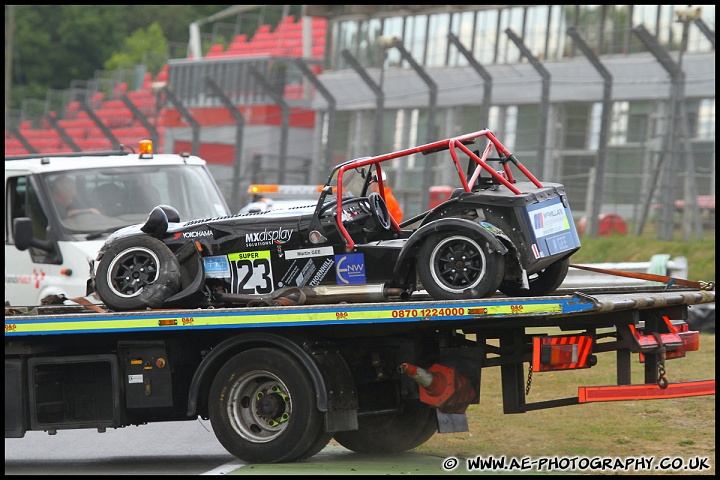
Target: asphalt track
<point>336,460</point>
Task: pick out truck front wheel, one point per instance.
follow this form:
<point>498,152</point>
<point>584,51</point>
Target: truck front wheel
<point>262,408</point>
<point>392,433</point>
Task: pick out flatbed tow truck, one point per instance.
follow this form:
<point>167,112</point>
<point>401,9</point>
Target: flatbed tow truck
<point>278,382</point>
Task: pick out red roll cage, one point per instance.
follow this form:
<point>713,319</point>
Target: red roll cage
<point>504,177</point>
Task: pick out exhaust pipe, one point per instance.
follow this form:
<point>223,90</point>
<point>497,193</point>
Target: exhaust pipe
<point>318,295</point>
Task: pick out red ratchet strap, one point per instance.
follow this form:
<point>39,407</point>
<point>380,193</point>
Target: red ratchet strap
<point>652,277</point>
<point>87,304</point>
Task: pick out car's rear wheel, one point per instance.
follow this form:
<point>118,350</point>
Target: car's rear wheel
<point>540,283</point>
<point>457,266</point>
<point>137,272</point>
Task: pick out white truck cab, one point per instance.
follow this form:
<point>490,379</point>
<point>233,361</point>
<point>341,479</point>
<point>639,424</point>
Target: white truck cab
<point>60,208</point>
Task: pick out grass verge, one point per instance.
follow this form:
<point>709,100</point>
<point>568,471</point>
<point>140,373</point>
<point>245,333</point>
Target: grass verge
<point>674,428</point>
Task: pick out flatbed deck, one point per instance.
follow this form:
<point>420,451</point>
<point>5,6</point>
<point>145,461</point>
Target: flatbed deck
<point>575,306</point>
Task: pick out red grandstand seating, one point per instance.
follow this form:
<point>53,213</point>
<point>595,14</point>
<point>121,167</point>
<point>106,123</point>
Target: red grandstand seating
<point>77,132</point>
<point>163,75</point>
<point>72,109</point>
<point>215,51</point>
<point>119,90</point>
<point>113,104</point>
<point>39,134</point>
<point>45,144</point>
<point>115,117</point>
<point>96,99</point>
<point>13,146</point>
<point>147,81</point>
<point>286,40</point>
<point>143,99</point>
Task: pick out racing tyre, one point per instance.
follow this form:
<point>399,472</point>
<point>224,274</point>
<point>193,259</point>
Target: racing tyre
<point>455,266</point>
<point>392,433</point>
<point>541,283</point>
<point>262,408</point>
<point>137,272</point>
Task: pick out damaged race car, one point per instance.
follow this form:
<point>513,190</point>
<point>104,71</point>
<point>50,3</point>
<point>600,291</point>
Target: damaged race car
<point>493,233</point>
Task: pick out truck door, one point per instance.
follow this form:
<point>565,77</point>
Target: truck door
<point>25,270</point>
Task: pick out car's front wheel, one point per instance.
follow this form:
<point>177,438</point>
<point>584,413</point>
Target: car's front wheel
<point>137,272</point>
<point>454,266</point>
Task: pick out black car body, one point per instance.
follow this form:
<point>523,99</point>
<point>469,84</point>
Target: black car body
<point>494,232</point>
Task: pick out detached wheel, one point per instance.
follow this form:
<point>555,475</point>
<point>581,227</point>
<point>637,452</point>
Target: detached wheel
<point>392,433</point>
<point>262,408</point>
<point>137,272</point>
<point>541,283</point>
<point>456,267</point>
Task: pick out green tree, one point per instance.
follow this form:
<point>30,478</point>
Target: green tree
<point>53,46</point>
<point>143,46</point>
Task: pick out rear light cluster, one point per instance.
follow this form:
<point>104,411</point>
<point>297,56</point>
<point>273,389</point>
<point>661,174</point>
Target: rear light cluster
<point>679,340</point>
<point>563,352</point>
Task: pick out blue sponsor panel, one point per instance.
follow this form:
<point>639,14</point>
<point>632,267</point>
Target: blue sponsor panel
<point>217,266</point>
<point>552,227</point>
<point>350,269</point>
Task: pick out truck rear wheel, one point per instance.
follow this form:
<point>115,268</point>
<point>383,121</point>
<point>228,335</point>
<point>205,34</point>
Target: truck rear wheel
<point>392,433</point>
<point>262,408</point>
<point>137,272</point>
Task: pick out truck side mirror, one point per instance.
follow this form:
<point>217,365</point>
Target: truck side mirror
<point>24,238</point>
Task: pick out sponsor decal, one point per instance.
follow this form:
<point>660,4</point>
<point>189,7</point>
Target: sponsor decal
<point>304,276</point>
<point>309,252</point>
<point>19,279</point>
<point>268,237</point>
<point>193,234</point>
<point>550,219</point>
<point>321,272</point>
<point>39,276</point>
<point>249,255</point>
<point>538,221</point>
<point>491,228</point>
<point>290,274</point>
<point>217,267</point>
<point>251,272</point>
<point>350,269</point>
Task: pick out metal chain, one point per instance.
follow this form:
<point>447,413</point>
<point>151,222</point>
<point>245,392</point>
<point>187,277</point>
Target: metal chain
<point>662,380</point>
<point>529,380</point>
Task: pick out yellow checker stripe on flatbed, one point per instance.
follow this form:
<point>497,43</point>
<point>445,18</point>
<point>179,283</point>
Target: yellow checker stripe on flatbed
<point>261,317</point>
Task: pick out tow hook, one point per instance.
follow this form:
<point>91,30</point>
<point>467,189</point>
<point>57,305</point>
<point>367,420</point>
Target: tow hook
<point>441,387</point>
